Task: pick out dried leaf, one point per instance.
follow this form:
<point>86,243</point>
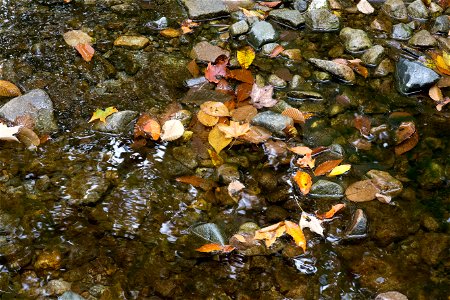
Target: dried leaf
<point>243,91</point>
<point>326,167</point>
<point>217,139</point>
<point>408,144</point>
<point>245,56</point>
<point>252,13</point>
<point>361,191</point>
<point>234,130</point>
<point>172,130</point>
<point>216,109</point>
<point>9,89</point>
<point>339,170</point>
<point>306,161</point>
<point>329,214</point>
<point>276,51</point>
<point>101,115</point>
<point>218,69</point>
<point>242,75</point>
<point>7,133</point>
<point>363,124</point>
<point>296,233</point>
<point>215,248</point>
<point>404,131</point>
<point>193,68</point>
<point>86,51</point>
<point>28,137</point>
<point>301,150</point>
<point>235,187</point>
<point>441,66</point>
<point>365,7</point>
<point>295,114</point>
<point>270,233</point>
<point>170,33</point>
<point>358,68</point>
<point>435,93</point>
<point>262,97</point>
<point>206,119</point>
<point>311,222</point>
<point>271,4</point>
<point>442,103</point>
<point>239,237</point>
<point>215,158</point>
<point>75,37</point>
<point>191,179</point>
<point>147,126</point>
<point>303,181</point>
<point>256,135</point>
<point>187,25</point>
<point>244,113</point>
<point>224,86</point>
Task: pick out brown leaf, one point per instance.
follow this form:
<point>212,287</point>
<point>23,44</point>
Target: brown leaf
<point>256,135</point>
<point>271,4</point>
<point>301,150</point>
<point>28,137</point>
<point>244,113</point>
<point>326,167</point>
<point>147,127</point>
<point>303,181</point>
<point>361,191</point>
<point>234,130</point>
<point>363,124</point>
<point>170,33</point>
<point>404,131</point>
<point>276,51</point>
<point>407,144</point>
<point>296,233</point>
<point>435,93</point>
<point>86,51</point>
<point>196,181</point>
<point>224,86</point>
<point>262,97</point>
<point>358,68</point>
<point>216,109</point>
<point>193,68</point>
<point>218,69</point>
<point>242,75</point>
<point>295,114</point>
<point>329,214</point>
<point>9,89</point>
<point>206,119</point>
<point>243,91</point>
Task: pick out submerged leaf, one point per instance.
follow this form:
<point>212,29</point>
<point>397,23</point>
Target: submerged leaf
<point>101,115</point>
<point>361,191</point>
<point>245,56</point>
<point>296,233</point>
<point>329,214</point>
<point>262,97</point>
<point>86,51</point>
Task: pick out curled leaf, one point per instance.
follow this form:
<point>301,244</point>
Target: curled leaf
<point>296,233</point>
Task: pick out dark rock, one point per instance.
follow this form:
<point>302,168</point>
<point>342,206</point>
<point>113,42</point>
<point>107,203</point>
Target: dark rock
<point>355,40</point>
<point>35,104</point>
<point>228,173</point>
<point>401,32</point>
<point>288,17</point>
<point>396,9</point>
<point>239,28</point>
<point>324,189</point>
<point>388,185</point>
<point>422,39</point>
<point>412,77</point>
<point>339,70</point>
<point>126,9</point>
<point>418,10</point>
<point>272,121</point>
<point>261,33</point>
<point>373,56</point>
<point>201,10</point>
<point>204,51</point>
<point>186,156</point>
<point>322,20</point>
<point>85,189</point>
<point>124,61</point>
<point>434,248</point>
<point>441,25</point>
<point>119,122</point>
<point>392,295</point>
<point>358,226</point>
<point>276,213</point>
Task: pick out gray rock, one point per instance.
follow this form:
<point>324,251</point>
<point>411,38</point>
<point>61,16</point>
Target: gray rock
<point>228,173</point>
<point>358,226</point>
<point>276,81</point>
<point>418,10</point>
<point>262,33</point>
<point>384,68</point>
<point>300,5</point>
<point>441,25</point>
<point>209,232</point>
<point>296,82</point>
<point>401,32</point>
<point>268,48</point>
<point>201,10</point>
<point>435,9</point>
<point>69,295</point>
<point>57,287</point>
<point>239,28</point>
<point>412,77</point>
<point>373,56</point>
<point>35,104</point>
<point>423,39</point>
<point>355,40</point>
<point>339,70</point>
<point>272,121</point>
<point>322,20</point>
<point>288,17</point>
<point>324,189</point>
<point>119,122</point>
<point>391,295</point>
<point>193,82</point>
<point>204,51</point>
<point>396,9</point>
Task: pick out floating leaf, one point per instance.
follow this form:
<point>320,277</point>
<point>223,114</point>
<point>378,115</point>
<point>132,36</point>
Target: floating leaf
<point>244,113</point>
<point>86,51</point>
<point>216,109</point>
<point>9,89</point>
<point>365,7</point>
<point>295,114</point>
<point>217,139</point>
<point>262,97</point>
<point>172,130</point>
<point>435,93</point>
<point>311,222</point>
<point>361,191</point>
<point>296,233</point>
<point>7,133</point>
<point>215,248</point>
<point>277,50</point>
<point>234,130</point>
<point>301,150</point>
<point>326,167</point>
<point>101,115</point>
<point>441,66</point>
<point>235,187</point>
<point>245,56</point>
<point>243,91</point>
<point>303,181</point>
<point>257,135</point>
<point>206,119</point>
<point>242,75</point>
<point>339,170</point>
<point>329,214</point>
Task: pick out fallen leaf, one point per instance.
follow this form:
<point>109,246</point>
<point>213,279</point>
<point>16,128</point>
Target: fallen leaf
<point>244,113</point>
<point>270,4</point>
<point>75,37</point>
<point>215,248</point>
<point>339,170</point>
<point>9,89</point>
<point>215,158</point>
<point>435,93</point>
<point>86,51</point>
<point>440,64</point>
<point>355,64</point>
<point>329,214</point>
<point>235,187</point>
<point>172,130</point>
<point>234,130</point>
<point>262,97</point>
<point>311,222</point>
<point>270,233</point>
<point>28,137</point>
<point>296,233</point>
<point>326,167</point>
<point>245,56</point>
<point>295,114</point>
<point>205,184</point>
<point>101,115</point>
<point>303,181</point>
<point>301,150</point>
<point>256,135</point>
<point>242,75</point>
<point>193,68</point>
<point>277,50</point>
<point>361,191</point>
<point>361,144</point>
<point>147,126</point>
<point>306,161</point>
<point>442,103</point>
<point>407,145</point>
<point>224,86</point>
<point>216,109</point>
<point>404,131</point>
<point>170,33</point>
<point>218,140</point>
<point>243,91</point>
<point>187,25</point>
<point>252,13</point>
<point>206,119</point>
<point>7,133</point>
<point>218,69</point>
<point>239,237</point>
<point>363,124</point>
<point>365,7</point>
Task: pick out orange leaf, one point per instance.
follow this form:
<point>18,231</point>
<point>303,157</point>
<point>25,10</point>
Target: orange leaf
<point>435,93</point>
<point>9,89</point>
<point>256,135</point>
<point>303,181</point>
<point>243,91</point>
<point>86,51</point>
<point>296,233</point>
<point>206,119</point>
<point>306,161</point>
<point>270,233</point>
<point>215,247</point>
<point>242,75</point>
<point>441,65</point>
<point>193,68</point>
<point>244,113</point>
<point>277,50</point>
<point>192,180</point>
<point>301,150</point>
<point>295,114</point>
<point>329,214</point>
<point>326,167</point>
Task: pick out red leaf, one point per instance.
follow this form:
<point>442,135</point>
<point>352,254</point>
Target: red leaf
<point>242,75</point>
<point>363,124</point>
<point>243,91</point>
<point>86,51</point>
<point>219,68</point>
<point>277,50</point>
<point>326,167</point>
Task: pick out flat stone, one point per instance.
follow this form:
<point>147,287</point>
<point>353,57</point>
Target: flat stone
<point>418,10</point>
<point>412,77</point>
<point>262,32</point>
<point>239,28</point>
<point>401,32</point>
<point>204,51</point>
<point>119,122</point>
<point>318,4</point>
<point>324,189</point>
<point>391,295</point>
<point>355,40</point>
<point>373,56</point>
<point>339,70</point>
<point>322,20</point>
<point>358,226</point>
<point>423,39</point>
<point>396,9</point>
<point>272,121</point>
<point>202,10</point>
<point>288,17</point>
<point>131,42</point>
<point>35,104</point>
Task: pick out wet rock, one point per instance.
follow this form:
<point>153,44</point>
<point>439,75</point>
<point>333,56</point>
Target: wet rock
<point>296,82</point>
<point>422,39</point>
<point>339,70</point>
<point>248,227</point>
<point>276,213</point>
<point>272,121</point>
<point>392,295</point>
<point>69,295</point>
<point>228,173</point>
<point>384,68</point>
<point>377,273</point>
<point>358,226</point>
<point>84,188</point>
<point>373,56</point>
<point>413,77</point>
<point>396,9</point>
<point>48,260</point>
<point>434,248</point>
<point>186,156</point>
<point>324,189</point>
<point>239,28</point>
<point>204,51</point>
<point>318,4</point>
<point>294,54</point>
<point>418,10</point>
<point>126,9</point>
<point>201,10</point>
<point>124,61</point>
<point>267,180</point>
<point>289,17</point>
<point>198,96</point>
<point>430,223</point>
<point>57,287</point>
<point>441,25</point>
<point>276,81</point>
<point>131,42</point>
<point>261,33</point>
<point>355,40</point>
<point>267,49</point>
<point>195,82</point>
<point>297,97</point>
<point>322,20</point>
<point>119,122</point>
<point>401,32</point>
<point>36,105</point>
<point>300,5</point>
<point>433,175</point>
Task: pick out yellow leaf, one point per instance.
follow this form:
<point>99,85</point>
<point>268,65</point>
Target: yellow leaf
<point>435,93</point>
<point>9,89</point>
<point>234,130</point>
<point>270,233</point>
<point>218,140</point>
<point>206,119</point>
<point>215,158</point>
<point>216,109</point>
<point>339,170</point>
<point>103,114</point>
<point>441,65</point>
<point>170,33</point>
<point>296,233</point>
<point>446,57</point>
<point>303,181</point>
<point>245,56</point>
